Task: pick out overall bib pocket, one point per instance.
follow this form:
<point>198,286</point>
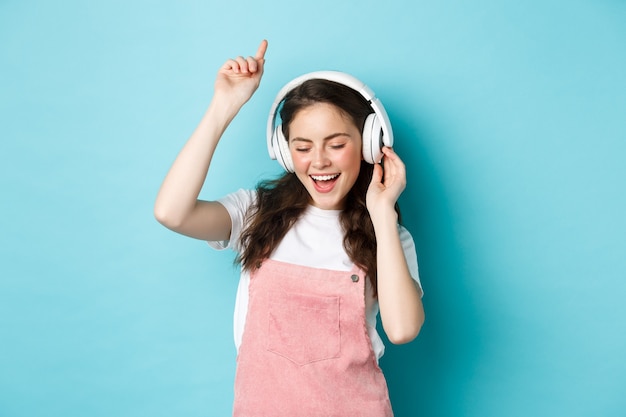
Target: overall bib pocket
<point>303,328</point>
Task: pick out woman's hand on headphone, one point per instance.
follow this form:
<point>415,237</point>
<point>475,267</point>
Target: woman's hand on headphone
<point>384,190</point>
<point>239,78</point>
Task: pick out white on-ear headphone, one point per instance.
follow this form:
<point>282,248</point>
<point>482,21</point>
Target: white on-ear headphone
<point>376,131</point>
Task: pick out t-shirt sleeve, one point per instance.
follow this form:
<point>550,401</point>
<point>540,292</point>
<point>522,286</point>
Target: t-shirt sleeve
<point>410,254</point>
<point>237,205</point>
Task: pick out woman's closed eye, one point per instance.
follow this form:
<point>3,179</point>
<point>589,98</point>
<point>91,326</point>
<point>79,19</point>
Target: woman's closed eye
<point>337,146</point>
<point>334,146</point>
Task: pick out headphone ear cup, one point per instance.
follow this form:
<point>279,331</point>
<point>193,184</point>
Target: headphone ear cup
<point>372,139</point>
<point>281,149</point>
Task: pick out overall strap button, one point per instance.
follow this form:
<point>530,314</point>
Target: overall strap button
<point>355,278</point>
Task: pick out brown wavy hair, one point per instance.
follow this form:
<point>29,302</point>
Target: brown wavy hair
<point>281,201</point>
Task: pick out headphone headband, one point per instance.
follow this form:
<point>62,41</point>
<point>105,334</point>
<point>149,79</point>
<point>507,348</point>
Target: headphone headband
<point>382,124</point>
<point>338,77</point>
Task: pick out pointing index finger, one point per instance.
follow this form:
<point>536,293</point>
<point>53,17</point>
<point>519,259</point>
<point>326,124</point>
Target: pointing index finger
<point>260,53</point>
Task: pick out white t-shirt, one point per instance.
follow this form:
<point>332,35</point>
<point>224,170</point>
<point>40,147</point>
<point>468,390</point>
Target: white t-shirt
<point>319,236</point>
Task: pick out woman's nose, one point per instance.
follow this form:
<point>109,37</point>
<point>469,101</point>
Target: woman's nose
<point>320,159</point>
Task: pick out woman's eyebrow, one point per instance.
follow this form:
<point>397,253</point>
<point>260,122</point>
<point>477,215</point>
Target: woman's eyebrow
<point>329,137</point>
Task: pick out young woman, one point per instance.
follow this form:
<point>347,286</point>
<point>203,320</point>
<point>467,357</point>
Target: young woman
<point>320,248</point>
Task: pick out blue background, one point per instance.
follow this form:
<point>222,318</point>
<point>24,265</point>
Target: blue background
<point>510,116</point>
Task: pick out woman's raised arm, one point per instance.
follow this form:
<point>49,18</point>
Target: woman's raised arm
<point>177,206</point>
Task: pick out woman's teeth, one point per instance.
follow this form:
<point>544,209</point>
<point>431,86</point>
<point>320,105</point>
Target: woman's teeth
<point>324,177</point>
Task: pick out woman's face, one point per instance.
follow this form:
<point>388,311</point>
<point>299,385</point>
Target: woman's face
<point>325,146</point>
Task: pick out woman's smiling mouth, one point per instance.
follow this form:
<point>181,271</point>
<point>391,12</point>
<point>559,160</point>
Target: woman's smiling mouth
<point>324,183</point>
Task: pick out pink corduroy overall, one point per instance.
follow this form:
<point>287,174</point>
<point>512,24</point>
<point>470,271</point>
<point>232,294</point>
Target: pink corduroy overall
<point>305,351</point>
